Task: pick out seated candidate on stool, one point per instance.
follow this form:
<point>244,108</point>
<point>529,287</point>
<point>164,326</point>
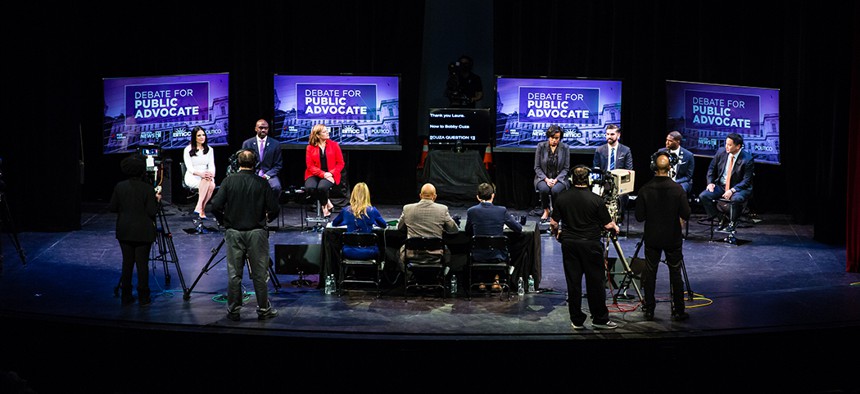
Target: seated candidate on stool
<point>730,176</point>
<point>323,164</point>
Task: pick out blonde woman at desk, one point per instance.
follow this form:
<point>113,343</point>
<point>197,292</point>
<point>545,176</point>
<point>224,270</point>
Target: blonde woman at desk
<point>360,216</point>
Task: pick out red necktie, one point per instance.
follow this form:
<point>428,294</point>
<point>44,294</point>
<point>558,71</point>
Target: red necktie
<point>729,173</point>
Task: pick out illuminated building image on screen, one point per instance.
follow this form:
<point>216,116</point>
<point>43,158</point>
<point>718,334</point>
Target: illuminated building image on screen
<point>162,110</point>
<point>527,106</point>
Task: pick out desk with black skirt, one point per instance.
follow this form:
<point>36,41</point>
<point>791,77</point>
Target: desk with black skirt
<point>525,249</point>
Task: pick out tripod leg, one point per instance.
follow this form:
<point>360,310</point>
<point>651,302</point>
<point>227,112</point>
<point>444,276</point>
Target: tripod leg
<point>205,269</point>
<point>627,270</point>
<point>686,280</point>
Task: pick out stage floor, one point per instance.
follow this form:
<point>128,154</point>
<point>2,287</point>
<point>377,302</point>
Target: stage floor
<point>779,300</point>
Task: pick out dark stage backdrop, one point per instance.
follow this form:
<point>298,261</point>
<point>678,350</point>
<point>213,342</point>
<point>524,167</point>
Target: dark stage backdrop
<point>53,106</point>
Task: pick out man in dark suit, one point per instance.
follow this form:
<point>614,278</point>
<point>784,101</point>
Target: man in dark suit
<point>614,156</point>
<point>660,204</point>
<point>136,203</point>
<point>682,173</point>
<point>245,203</point>
<point>488,219</point>
<point>269,151</point>
<point>730,176</point>
<point>427,218</point>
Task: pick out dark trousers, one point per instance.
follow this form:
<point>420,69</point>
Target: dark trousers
<point>582,257</point>
<point>545,192</point>
<point>253,245</point>
<point>135,254</point>
<point>649,277</point>
<point>709,199</point>
<point>318,189</point>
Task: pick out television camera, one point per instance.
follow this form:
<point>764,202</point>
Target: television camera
<point>455,95</point>
<point>611,185</point>
<point>152,153</point>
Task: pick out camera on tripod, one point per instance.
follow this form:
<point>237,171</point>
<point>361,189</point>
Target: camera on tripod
<point>153,159</point>
<point>611,185</point>
<point>456,97</point>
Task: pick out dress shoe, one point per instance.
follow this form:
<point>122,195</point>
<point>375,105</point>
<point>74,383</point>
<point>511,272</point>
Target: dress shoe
<point>649,315</point>
<point>680,316</point>
<point>234,316</point>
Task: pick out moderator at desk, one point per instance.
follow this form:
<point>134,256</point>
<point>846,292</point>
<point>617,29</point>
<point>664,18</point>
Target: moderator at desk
<point>525,249</point>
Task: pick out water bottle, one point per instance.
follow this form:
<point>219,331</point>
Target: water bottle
<point>328,284</point>
<point>453,284</point>
<point>333,285</point>
<point>531,284</point>
<point>520,291</point>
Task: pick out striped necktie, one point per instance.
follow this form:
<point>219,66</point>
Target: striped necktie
<point>611,159</point>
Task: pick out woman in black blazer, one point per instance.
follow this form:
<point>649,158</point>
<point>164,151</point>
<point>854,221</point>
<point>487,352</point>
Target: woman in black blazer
<point>552,168</point>
<point>135,202</point>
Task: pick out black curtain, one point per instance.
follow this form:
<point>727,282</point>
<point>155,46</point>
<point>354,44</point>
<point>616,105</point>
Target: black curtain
<point>804,51</point>
<point>53,104</point>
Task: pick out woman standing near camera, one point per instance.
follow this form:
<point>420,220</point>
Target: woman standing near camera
<point>136,203</point>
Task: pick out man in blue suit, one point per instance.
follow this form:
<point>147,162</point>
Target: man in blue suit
<point>682,174</point>
<point>730,176</point>
<point>488,219</point>
<point>611,156</point>
<point>269,151</point>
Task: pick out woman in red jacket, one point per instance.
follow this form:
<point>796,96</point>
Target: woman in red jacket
<point>323,164</point>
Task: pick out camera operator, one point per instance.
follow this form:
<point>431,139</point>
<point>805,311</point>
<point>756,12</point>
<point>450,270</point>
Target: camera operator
<point>464,89</point>
<point>136,203</point>
<point>661,203</point>
<point>578,220</point>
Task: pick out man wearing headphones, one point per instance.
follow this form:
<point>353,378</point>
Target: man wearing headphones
<point>245,203</point>
<point>660,204</point>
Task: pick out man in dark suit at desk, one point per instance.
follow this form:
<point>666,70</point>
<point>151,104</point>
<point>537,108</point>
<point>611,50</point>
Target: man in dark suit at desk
<point>269,152</point>
<point>427,218</point>
<point>730,176</point>
<point>488,219</point>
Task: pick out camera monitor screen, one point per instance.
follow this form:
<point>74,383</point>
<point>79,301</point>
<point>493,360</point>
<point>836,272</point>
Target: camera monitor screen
<point>459,125</point>
<point>527,106</point>
<point>361,111</point>
<point>162,110</point>
<point>706,113</point>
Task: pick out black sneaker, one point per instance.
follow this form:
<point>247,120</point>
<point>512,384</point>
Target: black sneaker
<point>267,313</point>
<point>234,316</point>
<point>680,316</point>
